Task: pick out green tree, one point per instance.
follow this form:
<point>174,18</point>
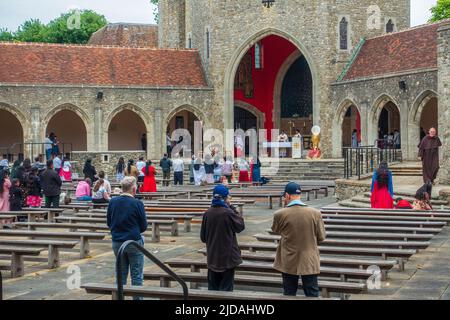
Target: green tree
<point>440,11</point>
<point>155,10</point>
<point>75,27</point>
<point>6,35</point>
<point>31,31</point>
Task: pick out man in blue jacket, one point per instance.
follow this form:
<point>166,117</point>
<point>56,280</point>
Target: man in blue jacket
<point>127,220</point>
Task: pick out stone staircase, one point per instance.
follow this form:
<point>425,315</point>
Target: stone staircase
<point>407,169</point>
<point>363,201</point>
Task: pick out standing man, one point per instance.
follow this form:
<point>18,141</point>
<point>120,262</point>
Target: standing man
<point>51,185</point>
<point>144,142</point>
<point>139,166</point>
<point>301,229</point>
<point>165,165</point>
<point>219,227</point>
<point>48,144</point>
<point>429,155</point>
<point>397,139</point>
<point>127,220</point>
<point>178,169</point>
<point>57,163</point>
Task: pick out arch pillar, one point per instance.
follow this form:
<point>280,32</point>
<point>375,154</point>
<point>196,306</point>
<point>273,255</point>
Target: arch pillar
<point>404,130</point>
<point>98,139</point>
<point>364,114</point>
<point>158,144</point>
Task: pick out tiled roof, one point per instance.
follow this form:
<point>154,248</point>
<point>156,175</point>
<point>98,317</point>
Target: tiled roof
<point>31,63</point>
<point>126,35</point>
<point>408,50</point>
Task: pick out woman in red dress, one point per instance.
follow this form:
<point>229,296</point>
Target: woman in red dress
<point>382,188</point>
<point>149,184</point>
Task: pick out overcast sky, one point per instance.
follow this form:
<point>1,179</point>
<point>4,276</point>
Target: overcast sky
<point>14,12</point>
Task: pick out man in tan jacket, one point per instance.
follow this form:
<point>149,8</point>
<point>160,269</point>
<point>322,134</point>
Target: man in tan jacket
<point>301,229</point>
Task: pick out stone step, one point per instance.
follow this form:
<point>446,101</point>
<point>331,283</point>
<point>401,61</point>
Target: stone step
<point>351,204</point>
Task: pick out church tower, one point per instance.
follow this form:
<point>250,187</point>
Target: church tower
<point>172,23</point>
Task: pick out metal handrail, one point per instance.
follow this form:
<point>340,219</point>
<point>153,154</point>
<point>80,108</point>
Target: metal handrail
<point>159,263</point>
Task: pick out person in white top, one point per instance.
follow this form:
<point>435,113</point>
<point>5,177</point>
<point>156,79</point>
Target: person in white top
<point>57,164</point>
<point>178,170</point>
<point>283,137</point>
<point>102,189</point>
<point>243,170</point>
<point>227,169</point>
<point>139,166</point>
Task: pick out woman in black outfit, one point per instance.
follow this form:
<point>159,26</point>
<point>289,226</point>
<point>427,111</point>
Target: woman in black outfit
<point>89,171</point>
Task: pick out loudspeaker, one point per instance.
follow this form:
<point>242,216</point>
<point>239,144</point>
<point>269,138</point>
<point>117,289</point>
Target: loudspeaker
<point>402,85</point>
<point>99,95</point>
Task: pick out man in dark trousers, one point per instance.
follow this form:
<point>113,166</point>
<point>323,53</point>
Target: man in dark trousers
<point>219,227</point>
<point>127,220</point>
<point>301,229</point>
<point>165,165</point>
<point>51,186</point>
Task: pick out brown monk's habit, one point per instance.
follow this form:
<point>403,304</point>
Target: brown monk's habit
<point>429,152</point>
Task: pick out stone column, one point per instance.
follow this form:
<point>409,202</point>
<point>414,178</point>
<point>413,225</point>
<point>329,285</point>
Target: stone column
<point>404,130</point>
<point>100,142</point>
<point>364,114</point>
<point>157,140</point>
<point>35,134</point>
<point>444,100</point>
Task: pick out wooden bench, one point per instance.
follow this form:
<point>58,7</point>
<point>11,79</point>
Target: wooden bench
<point>53,247</point>
<point>359,228</point>
<point>17,253</point>
<point>393,212</point>
<point>7,220</point>
<point>384,253</point>
<point>178,203</point>
<point>76,207</point>
<point>356,243</point>
<point>83,237</point>
<point>326,287</point>
<point>155,225</point>
<point>341,273</point>
<point>384,265</point>
<point>52,212</point>
<point>32,215</point>
<point>376,235</point>
<point>391,223</point>
<point>371,216</point>
<point>240,194</point>
<point>186,219</point>
<point>177,293</point>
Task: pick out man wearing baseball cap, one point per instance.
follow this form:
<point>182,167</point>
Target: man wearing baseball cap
<point>219,227</point>
<point>301,229</point>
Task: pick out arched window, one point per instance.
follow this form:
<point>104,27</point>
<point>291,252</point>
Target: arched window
<point>189,42</point>
<point>390,26</point>
<point>258,56</point>
<point>343,34</point>
<point>208,43</point>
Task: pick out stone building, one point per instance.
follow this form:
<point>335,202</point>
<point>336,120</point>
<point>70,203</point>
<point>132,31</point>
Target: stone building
<point>284,64</point>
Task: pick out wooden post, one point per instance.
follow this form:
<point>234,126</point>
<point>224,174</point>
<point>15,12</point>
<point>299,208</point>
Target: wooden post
<point>53,257</point>
<point>84,247</point>
<point>17,265</point>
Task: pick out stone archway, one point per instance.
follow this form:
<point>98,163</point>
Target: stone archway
<point>418,118</point>
<point>11,132</point>
<point>125,127</point>
<point>392,105</point>
<point>344,124</point>
<point>236,59</point>
<point>70,130</point>
<point>260,116</point>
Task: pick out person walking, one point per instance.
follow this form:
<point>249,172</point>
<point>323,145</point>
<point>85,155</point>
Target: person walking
<point>165,163</point>
<point>120,169</point>
<point>149,184</point>
<point>131,170</point>
<point>219,227</point>
<point>51,186</point>
<point>178,170</point>
<point>301,229</point>
<point>139,166</point>
<point>382,188</point>
<point>429,155</point>
<point>127,220</point>
<point>89,171</point>
<point>5,186</point>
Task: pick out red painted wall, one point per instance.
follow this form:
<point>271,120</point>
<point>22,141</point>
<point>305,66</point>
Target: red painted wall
<point>275,51</point>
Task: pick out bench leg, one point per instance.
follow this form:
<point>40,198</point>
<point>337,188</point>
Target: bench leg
<point>17,265</point>
<point>194,285</point>
<point>187,225</point>
<point>316,196</point>
<point>401,264</point>
<point>325,293</point>
<point>174,229</point>
<point>84,247</point>
<point>307,196</point>
<point>270,203</point>
<point>114,295</point>
<point>53,257</point>
<point>164,282</point>
<point>155,233</point>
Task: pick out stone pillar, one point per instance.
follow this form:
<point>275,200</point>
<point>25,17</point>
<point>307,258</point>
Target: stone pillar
<point>157,143</point>
<point>404,130</point>
<point>100,142</point>
<point>444,100</point>
<point>35,134</point>
<point>364,114</point>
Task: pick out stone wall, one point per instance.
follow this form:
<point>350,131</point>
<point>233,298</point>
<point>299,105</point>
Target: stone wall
<point>444,100</point>
<point>371,95</point>
<point>104,161</point>
<point>347,189</point>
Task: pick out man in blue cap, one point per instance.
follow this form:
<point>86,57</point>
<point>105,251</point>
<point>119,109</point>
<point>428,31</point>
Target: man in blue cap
<point>219,227</point>
<point>301,229</point>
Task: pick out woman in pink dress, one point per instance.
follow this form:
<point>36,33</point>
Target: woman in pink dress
<point>65,173</point>
<point>5,185</point>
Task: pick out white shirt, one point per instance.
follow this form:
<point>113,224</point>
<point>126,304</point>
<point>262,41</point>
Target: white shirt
<point>178,165</point>
<point>140,165</point>
<point>243,166</point>
<point>48,143</point>
<point>57,163</point>
<point>4,163</point>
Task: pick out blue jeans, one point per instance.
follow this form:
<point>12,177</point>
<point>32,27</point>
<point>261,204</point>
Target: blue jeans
<point>84,198</point>
<point>48,154</point>
<point>133,260</point>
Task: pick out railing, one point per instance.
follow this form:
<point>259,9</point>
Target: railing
<point>364,160</point>
<point>159,263</point>
<point>17,151</point>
